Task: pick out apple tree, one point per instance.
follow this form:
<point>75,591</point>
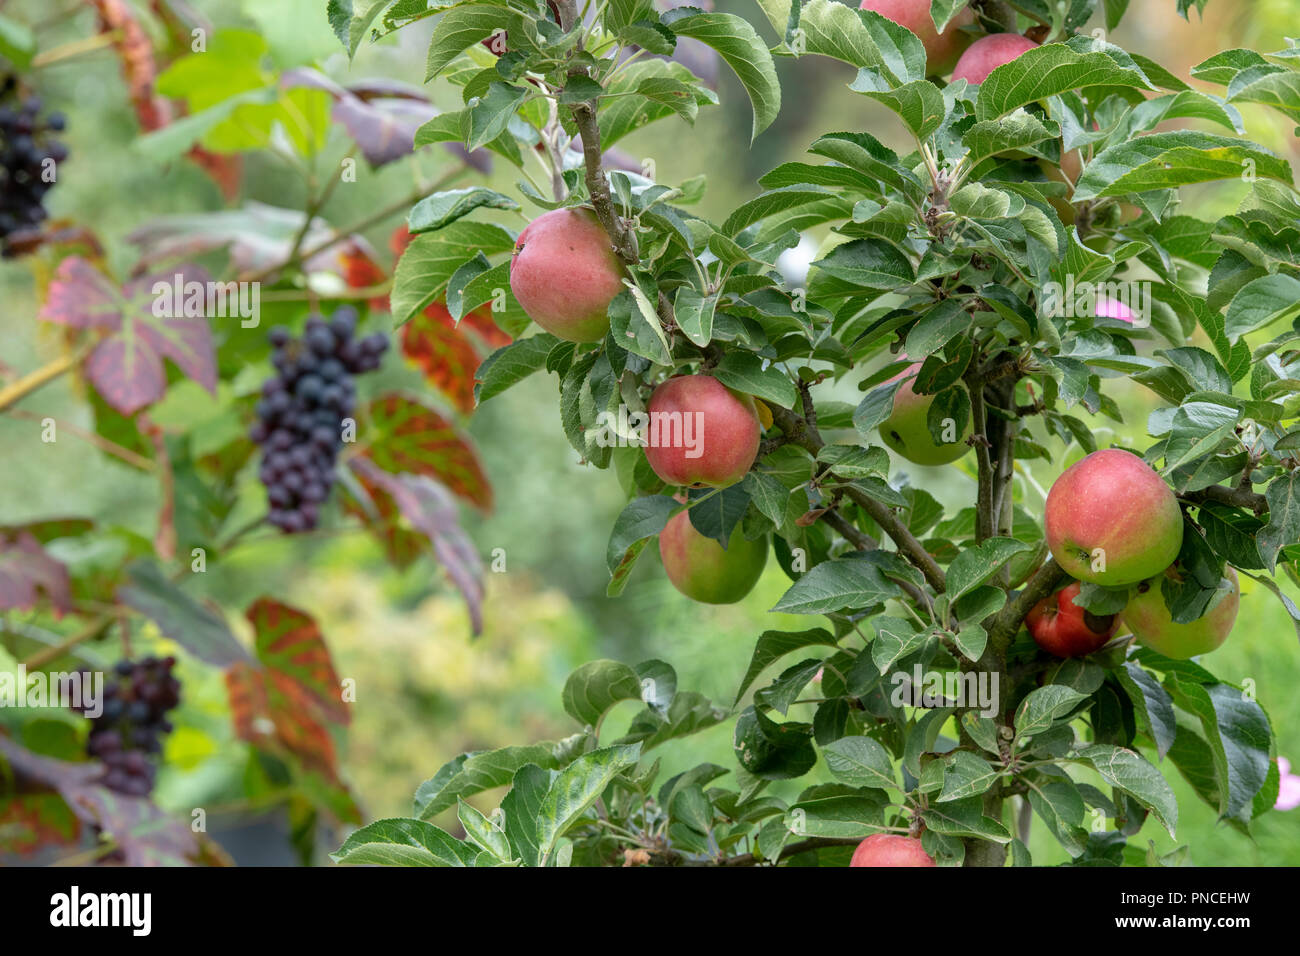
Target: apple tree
<point>1027,249</point>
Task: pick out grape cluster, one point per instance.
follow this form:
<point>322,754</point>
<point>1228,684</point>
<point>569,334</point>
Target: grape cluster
<point>25,145</point>
<point>300,415</point>
<point>128,732</point>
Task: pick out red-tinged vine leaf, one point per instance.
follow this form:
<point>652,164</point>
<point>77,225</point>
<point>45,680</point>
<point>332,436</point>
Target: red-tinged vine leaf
<point>224,169</point>
<point>274,713</point>
<point>290,645</point>
<point>143,833</point>
<point>405,435</point>
<point>135,50</point>
<point>444,353</point>
<point>127,366</point>
<point>25,570</point>
<point>428,507</point>
<point>32,820</point>
<point>360,270</point>
<point>200,630</point>
<point>380,514</point>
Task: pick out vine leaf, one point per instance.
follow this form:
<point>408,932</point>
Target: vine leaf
<point>127,366</point>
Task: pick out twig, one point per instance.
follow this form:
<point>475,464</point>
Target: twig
<point>15,391</point>
<point>99,441</point>
<point>91,630</point>
<point>1234,497</point>
<point>1044,583</point>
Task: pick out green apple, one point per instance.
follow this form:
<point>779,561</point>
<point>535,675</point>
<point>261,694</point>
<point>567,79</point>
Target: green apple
<point>1148,617</point>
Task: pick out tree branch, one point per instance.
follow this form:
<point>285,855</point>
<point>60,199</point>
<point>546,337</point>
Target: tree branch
<point>1234,497</point>
<point>1043,584</point>
<point>800,432</point>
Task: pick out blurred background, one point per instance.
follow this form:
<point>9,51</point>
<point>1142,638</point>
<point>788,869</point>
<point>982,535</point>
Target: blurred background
<point>426,691</point>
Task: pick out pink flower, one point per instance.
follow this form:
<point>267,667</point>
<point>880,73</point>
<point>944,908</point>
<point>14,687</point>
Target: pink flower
<point>1288,794</point>
<point>1113,309</point>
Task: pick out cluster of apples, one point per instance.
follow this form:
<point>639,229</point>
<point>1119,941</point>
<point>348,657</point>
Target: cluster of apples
<point>1112,521</point>
<point>564,274</point>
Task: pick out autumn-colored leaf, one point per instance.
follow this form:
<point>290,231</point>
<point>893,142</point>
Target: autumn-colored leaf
<point>25,569</point>
<point>444,353</point>
<point>135,50</point>
<point>32,820</point>
<point>429,508</point>
<point>127,366</point>
<point>405,435</point>
<point>380,514</point>
<point>289,644</point>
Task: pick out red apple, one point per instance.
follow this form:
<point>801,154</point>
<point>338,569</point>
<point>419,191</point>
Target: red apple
<point>1148,617</point>
<point>890,849</point>
<point>702,569</point>
<point>1111,520</point>
<point>702,434</point>
<point>941,49</point>
<point>907,431</point>
<point>1061,627</point>
<point>564,273</point>
<point>988,53</point>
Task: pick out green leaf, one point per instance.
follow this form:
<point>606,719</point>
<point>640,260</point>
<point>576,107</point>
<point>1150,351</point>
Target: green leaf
<point>474,773</point>
<point>17,42</point>
<point>742,49</point>
<point>896,638</point>
<point>488,116</point>
<point>965,818</point>
<point>1013,132</point>
<point>694,313</point>
<point>511,364</point>
<point>769,204</point>
<point>1261,302</point>
<point>634,324</point>
<point>1238,735</point>
<point>1151,704</point>
<point>863,38</point>
<point>431,259</point>
<point>1043,707</point>
<point>744,371</point>
<point>441,209</point>
<point>1050,70</point>
<point>1133,774</point>
<point>1271,85</point>
<point>457,30</point>
<point>869,264</point>
<point>597,686</point>
<point>857,581</point>
<point>402,842</point>
<point>1283,526</point>
<point>1060,806</point>
<point>1168,160</point>
<point>965,775</point>
<point>640,520</point>
<point>521,808</point>
<point>976,565</point>
<point>773,645</point>
<point>484,832</point>
<point>860,762</point>
<point>1197,430</point>
<point>576,788</point>
<point>918,104</point>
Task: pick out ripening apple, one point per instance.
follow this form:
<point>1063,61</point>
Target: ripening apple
<point>1061,627</point>
<point>906,430</point>
<point>1148,617</point>
<point>988,53</point>
<point>702,569</point>
<point>890,849</point>
<point>1110,519</point>
<point>564,273</point>
<point>701,433</point>
<point>941,49</point>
